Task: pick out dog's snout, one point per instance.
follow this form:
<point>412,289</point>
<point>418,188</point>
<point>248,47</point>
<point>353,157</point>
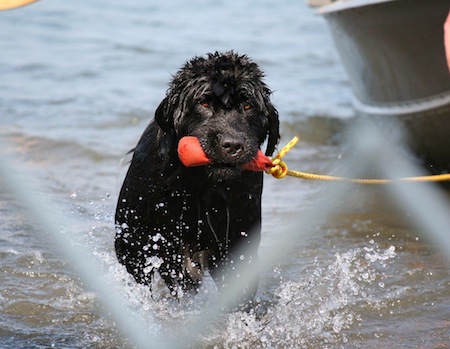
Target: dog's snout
<point>232,146</point>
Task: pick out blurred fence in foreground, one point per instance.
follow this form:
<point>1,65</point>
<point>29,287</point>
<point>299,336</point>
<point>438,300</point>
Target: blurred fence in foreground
<point>426,204</point>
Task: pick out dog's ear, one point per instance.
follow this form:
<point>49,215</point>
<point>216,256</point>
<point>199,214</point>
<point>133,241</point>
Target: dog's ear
<point>163,116</point>
<point>273,129</point>
<point>164,119</point>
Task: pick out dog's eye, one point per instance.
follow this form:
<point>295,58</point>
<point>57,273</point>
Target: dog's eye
<point>205,104</point>
<point>247,106</point>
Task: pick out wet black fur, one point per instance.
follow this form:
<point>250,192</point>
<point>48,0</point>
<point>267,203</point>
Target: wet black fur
<point>179,220</point>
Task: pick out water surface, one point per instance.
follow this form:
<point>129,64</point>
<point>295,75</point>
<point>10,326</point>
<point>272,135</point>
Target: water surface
<point>79,81</point>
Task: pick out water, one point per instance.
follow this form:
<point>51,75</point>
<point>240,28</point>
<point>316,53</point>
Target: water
<point>79,81</point>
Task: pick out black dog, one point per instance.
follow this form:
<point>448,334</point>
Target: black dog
<point>179,220</point>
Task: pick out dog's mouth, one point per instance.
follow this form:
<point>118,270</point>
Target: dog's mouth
<point>224,171</point>
<point>219,165</point>
<point>225,166</point>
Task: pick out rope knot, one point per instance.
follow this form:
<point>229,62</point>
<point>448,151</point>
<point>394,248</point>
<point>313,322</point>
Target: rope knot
<point>279,169</point>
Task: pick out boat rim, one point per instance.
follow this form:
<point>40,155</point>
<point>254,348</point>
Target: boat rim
<point>348,4</point>
<point>404,108</point>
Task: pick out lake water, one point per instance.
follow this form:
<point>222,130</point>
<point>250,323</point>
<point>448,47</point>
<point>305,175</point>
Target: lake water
<point>80,80</point>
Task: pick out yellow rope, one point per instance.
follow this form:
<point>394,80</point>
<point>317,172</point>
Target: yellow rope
<point>280,170</point>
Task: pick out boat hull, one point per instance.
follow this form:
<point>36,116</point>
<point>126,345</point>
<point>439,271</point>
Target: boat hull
<point>393,52</point>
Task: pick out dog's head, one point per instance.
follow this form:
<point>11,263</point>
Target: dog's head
<point>221,100</point>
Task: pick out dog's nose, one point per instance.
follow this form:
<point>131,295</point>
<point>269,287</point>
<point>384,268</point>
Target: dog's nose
<point>232,146</point>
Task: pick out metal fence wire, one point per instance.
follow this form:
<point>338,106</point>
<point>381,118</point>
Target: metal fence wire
<point>425,205</point>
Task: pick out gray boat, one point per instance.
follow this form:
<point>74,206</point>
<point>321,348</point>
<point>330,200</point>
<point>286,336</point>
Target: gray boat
<point>393,52</point>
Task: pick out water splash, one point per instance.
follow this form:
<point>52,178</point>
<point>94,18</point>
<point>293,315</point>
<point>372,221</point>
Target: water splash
<point>321,310</point>
<point>314,312</point>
